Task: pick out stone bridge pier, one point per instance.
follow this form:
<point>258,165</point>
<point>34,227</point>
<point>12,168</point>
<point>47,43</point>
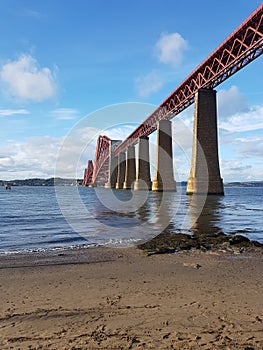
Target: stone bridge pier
<point>121,170</point>
<point>205,172</point>
<point>113,165</point>
<point>143,177</point>
<point>130,171</point>
<point>164,178</point>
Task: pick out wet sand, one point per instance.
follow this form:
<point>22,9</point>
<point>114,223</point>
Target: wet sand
<point>106,298</point>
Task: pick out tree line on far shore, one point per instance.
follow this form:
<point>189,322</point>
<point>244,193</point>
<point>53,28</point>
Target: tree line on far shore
<point>42,182</point>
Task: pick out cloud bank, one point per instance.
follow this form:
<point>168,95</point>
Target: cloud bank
<point>65,113</point>
<point>170,48</point>
<point>148,84</point>
<point>10,112</point>
<point>244,121</point>
<point>25,80</point>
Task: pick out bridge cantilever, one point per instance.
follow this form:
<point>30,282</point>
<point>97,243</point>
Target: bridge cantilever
<point>240,48</point>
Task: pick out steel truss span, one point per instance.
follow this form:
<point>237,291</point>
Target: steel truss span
<point>101,155</point>
<point>240,48</point>
<point>88,174</point>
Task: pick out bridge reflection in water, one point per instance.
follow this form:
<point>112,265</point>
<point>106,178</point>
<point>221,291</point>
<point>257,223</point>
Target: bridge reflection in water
<point>208,220</point>
<point>184,214</point>
<point>140,215</point>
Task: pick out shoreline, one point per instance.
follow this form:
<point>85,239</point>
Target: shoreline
<point>59,257</point>
<point>118,298</point>
<point>160,245</point>
<point>95,254</point>
<point>164,243</point>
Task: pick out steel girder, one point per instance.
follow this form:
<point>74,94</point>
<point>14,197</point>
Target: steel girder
<point>240,48</point>
<point>101,155</point>
<point>88,174</point>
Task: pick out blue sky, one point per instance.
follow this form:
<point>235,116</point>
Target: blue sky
<point>61,61</point>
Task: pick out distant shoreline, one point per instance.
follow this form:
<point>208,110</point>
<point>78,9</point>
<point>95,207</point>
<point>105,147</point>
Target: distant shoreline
<point>43,182</point>
<point>78,182</point>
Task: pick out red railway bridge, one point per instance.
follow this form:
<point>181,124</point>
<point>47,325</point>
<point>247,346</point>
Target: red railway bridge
<point>114,164</point>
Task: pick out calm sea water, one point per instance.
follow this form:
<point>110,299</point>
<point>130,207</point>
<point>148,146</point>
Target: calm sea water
<point>43,218</point>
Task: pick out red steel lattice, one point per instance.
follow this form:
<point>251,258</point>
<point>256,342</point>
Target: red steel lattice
<point>240,48</point>
<point>101,155</point>
<point>88,174</point>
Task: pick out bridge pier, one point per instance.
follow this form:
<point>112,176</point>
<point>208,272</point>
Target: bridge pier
<point>143,177</point>
<point>164,178</point>
<point>130,171</point>
<point>121,170</point>
<point>113,162</point>
<point>205,172</point>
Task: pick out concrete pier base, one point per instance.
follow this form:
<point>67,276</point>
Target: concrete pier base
<point>113,162</point>
<point>164,178</point>
<point>205,172</point>
<point>143,177</point>
<point>121,170</point>
<point>195,186</point>
<point>130,171</point>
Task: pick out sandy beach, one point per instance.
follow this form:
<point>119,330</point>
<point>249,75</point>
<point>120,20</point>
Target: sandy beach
<point>105,298</point>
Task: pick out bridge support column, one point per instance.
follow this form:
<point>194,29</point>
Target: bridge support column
<point>112,171</point>
<point>164,178</point>
<point>121,170</point>
<point>205,172</point>
<point>143,177</point>
<point>130,171</point>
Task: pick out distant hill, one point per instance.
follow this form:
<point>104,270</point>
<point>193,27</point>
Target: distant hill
<point>43,182</point>
<point>245,184</point>
<point>77,182</point>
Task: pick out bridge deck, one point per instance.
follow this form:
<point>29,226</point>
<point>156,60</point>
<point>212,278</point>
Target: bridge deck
<point>241,47</point>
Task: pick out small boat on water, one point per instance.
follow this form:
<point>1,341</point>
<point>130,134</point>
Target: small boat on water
<point>8,187</point>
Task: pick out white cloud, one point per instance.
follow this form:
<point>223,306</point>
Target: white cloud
<point>65,113</point>
<point>33,158</point>
<point>120,133</point>
<point>182,135</point>
<point>244,121</point>
<point>25,80</point>
<point>39,156</point>
<point>148,84</point>
<point>10,112</point>
<point>170,48</point>
<point>239,169</point>
<point>234,114</point>
<point>230,102</point>
<point>250,146</point>
<point>235,170</point>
